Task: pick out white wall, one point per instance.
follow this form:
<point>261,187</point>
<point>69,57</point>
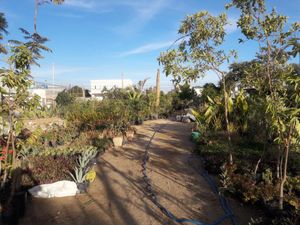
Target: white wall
<point>47,95</point>
<point>98,85</point>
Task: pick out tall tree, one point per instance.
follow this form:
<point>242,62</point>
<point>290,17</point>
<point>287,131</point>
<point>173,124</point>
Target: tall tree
<point>236,75</point>
<point>272,74</point>
<point>3,31</point>
<point>200,50</point>
<point>16,80</point>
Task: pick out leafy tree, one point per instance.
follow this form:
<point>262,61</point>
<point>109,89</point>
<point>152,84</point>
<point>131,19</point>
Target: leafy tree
<point>137,104</point>
<point>296,69</point>
<point>209,90</point>
<point>77,91</point>
<point>15,81</point>
<point>213,111</point>
<point>272,74</point>
<point>64,98</point>
<point>115,93</point>
<point>200,50</point>
<point>35,43</point>
<point>237,74</point>
<point>165,107</point>
<point>186,96</point>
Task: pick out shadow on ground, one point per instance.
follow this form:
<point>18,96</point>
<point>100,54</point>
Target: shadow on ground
<point>118,196</point>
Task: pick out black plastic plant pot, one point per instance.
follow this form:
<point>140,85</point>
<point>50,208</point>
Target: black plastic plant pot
<point>82,187</point>
<point>93,161</point>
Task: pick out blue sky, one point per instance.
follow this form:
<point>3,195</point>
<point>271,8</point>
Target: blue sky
<point>101,39</point>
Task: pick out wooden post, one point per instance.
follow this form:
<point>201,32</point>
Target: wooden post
<point>83,92</point>
<point>157,89</point>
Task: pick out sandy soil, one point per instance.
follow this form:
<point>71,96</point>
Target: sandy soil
<point>118,195</point>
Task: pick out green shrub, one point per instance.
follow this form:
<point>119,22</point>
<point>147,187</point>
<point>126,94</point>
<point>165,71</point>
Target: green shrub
<point>64,98</point>
<point>101,143</point>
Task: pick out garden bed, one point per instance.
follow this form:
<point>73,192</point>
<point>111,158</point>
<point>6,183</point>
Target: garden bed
<point>258,190</point>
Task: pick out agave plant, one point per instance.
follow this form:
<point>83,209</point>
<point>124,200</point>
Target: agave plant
<point>85,158</point>
<point>82,169</point>
<point>79,175</point>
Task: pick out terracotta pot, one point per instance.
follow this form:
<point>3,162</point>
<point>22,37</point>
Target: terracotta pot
<point>118,141</point>
<point>130,135</point>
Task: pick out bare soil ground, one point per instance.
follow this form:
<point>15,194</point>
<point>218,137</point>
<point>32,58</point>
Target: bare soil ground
<point>118,195</point>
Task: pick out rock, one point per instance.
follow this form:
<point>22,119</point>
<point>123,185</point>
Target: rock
<point>186,119</point>
<point>191,117</point>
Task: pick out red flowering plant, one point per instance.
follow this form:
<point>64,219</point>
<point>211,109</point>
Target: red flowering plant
<point>4,154</point>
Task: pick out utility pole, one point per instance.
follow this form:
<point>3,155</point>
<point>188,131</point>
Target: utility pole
<point>157,89</point>
<point>53,75</point>
<point>122,77</point>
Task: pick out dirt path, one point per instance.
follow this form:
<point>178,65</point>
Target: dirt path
<point>117,195</point>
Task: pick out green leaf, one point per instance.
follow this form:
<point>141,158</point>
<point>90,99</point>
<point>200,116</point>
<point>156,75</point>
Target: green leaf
<point>210,100</point>
<point>297,126</point>
<point>230,104</point>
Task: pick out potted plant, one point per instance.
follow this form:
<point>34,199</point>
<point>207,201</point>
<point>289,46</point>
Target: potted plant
<point>118,135</point>
<point>79,177</point>
<point>81,172</point>
<point>130,133</point>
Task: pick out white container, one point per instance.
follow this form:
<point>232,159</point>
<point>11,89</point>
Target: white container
<point>118,141</point>
<point>130,135</point>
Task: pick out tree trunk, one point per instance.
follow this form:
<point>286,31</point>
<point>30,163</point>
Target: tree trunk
<point>157,90</point>
<point>5,173</point>
<point>14,154</point>
<point>256,167</point>
<point>11,130</point>
<point>227,120</point>
<point>284,172</point>
<point>284,177</point>
<point>36,8</point>
<point>278,166</point>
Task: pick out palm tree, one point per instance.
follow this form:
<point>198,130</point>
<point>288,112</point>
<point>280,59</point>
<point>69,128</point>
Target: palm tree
<point>3,26</point>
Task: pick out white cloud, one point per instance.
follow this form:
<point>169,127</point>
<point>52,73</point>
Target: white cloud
<point>85,4</point>
<point>232,26</point>
<point>143,10</point>
<point>148,10</point>
<point>147,48</point>
<point>69,15</point>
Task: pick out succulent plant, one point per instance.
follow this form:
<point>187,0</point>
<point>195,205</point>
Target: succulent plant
<point>79,175</point>
<point>85,157</point>
<point>82,169</point>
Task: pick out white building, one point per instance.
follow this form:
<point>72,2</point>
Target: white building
<point>198,89</point>
<point>47,95</point>
<point>97,86</point>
